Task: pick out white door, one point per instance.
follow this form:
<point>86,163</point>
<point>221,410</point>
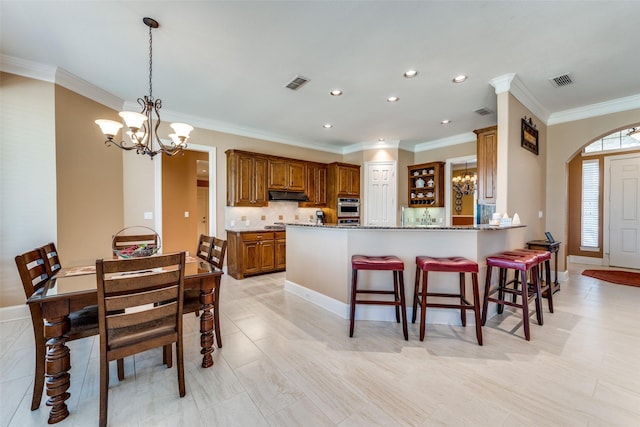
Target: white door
<point>203,210</point>
<point>624,208</point>
<point>381,192</point>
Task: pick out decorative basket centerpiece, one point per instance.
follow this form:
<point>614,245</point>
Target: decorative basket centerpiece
<point>135,242</point>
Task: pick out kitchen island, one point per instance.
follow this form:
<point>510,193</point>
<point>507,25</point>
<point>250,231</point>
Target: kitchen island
<point>319,262</point>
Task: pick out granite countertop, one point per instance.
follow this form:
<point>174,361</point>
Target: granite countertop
<point>481,227</point>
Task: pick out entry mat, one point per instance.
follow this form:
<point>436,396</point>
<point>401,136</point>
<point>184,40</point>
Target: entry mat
<point>619,277</point>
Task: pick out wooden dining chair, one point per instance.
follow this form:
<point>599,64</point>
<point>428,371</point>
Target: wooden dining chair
<point>205,245</point>
<point>150,292</point>
<point>50,255</point>
<point>217,251</point>
<point>32,267</point>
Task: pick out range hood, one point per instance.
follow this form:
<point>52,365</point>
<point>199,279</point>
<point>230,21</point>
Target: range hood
<point>293,196</point>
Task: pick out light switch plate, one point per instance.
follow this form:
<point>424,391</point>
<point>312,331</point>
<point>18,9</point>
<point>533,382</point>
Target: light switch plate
<point>186,214</point>
<point>148,215</point>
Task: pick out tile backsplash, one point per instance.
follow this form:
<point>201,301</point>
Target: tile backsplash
<point>281,211</point>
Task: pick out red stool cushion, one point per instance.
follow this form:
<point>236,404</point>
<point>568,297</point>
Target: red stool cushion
<point>385,262</point>
<point>513,260</point>
<point>451,264</point>
<point>542,255</point>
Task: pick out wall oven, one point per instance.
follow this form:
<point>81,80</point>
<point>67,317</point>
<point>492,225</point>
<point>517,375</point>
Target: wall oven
<point>348,221</point>
<point>348,207</point>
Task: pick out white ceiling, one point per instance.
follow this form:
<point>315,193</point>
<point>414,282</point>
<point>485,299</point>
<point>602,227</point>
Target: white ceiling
<point>223,65</point>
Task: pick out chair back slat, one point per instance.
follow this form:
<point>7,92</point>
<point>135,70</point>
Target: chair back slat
<point>139,281</point>
<point>205,244</point>
<point>50,255</point>
<point>218,251</point>
<point>152,315</point>
<point>119,303</point>
<point>32,270</point>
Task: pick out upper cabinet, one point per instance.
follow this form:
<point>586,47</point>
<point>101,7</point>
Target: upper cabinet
<point>246,179</point>
<point>426,185</point>
<point>343,180</point>
<point>315,185</point>
<point>487,164</point>
<point>286,174</point>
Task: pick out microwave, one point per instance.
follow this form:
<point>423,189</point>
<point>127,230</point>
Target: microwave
<point>348,207</point>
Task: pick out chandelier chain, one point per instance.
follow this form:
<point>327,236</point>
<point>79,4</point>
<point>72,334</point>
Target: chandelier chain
<point>150,63</point>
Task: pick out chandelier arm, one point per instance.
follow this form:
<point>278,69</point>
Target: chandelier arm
<point>122,145</point>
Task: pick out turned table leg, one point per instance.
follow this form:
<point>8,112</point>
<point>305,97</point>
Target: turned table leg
<point>57,366</point>
<point>206,321</point>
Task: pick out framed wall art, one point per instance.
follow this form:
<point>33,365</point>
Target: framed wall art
<point>529,136</point>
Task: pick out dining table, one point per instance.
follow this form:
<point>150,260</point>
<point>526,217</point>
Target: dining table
<point>74,288</point>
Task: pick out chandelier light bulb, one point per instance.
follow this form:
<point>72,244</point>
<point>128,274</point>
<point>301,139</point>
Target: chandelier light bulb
<point>182,130</point>
<point>109,128</point>
<point>132,119</point>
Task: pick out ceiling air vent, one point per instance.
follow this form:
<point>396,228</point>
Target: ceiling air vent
<point>484,111</point>
<point>297,82</point>
<point>562,80</point>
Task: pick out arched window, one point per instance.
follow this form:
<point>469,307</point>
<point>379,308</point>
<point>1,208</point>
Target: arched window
<point>621,140</point>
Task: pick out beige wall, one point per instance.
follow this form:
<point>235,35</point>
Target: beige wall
<point>444,153</point>
<point>89,181</point>
<point>525,177</point>
<point>27,175</point>
<point>563,142</point>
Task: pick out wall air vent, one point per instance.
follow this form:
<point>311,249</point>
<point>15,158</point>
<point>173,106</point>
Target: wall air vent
<point>562,80</point>
<point>484,111</point>
<point>296,83</point>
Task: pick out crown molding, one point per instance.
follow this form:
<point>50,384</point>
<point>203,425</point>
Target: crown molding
<point>88,90</point>
<point>511,83</point>
<point>446,142</point>
<point>607,107</point>
<point>369,145</point>
<point>26,68</point>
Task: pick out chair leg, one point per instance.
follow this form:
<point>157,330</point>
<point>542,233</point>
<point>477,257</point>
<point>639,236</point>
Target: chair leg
<point>167,355</point>
<point>38,380</point>
<point>180,367</point>
<point>516,283</point>
<point>536,289</point>
<point>423,304</point>
<point>352,317</point>
<point>416,289</point>
<point>104,390</point>
<point>547,268</point>
<point>485,303</point>
<point>216,322</point>
<point>525,306</point>
<point>403,306</point>
<point>463,311</point>
<point>502,282</point>
<point>476,307</point>
<point>396,295</point>
<point>120,363</point>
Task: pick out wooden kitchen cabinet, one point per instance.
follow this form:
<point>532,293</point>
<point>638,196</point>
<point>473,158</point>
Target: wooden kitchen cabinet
<point>315,185</point>
<point>286,174</point>
<point>426,185</point>
<point>280,240</point>
<point>255,252</point>
<point>246,179</point>
<point>343,180</point>
<point>487,151</point>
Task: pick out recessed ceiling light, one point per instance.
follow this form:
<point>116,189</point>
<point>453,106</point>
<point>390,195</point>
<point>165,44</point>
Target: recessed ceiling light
<point>327,125</point>
<point>336,92</point>
<point>410,73</point>
<point>380,139</point>
<point>445,122</point>
<point>459,79</point>
<point>392,99</point>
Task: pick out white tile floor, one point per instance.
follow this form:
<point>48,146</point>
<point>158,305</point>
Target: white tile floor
<point>286,362</point>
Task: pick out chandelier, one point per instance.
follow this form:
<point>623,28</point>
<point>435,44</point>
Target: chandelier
<point>465,184</point>
<point>142,127</point>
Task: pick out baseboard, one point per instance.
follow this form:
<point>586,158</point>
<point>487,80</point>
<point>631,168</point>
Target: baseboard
<point>576,259</point>
<point>14,312</point>
<point>376,313</point>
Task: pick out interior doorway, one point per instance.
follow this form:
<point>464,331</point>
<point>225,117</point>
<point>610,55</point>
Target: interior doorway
<point>170,229</point>
<point>460,209</point>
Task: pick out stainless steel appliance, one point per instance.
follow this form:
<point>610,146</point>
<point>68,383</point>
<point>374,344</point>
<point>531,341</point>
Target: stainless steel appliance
<point>348,207</point>
<point>349,221</point>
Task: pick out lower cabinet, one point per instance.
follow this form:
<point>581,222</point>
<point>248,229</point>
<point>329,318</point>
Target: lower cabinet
<point>254,252</point>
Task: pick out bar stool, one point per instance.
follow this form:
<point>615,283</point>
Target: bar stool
<point>521,262</point>
<point>424,265</point>
<point>546,286</point>
<point>383,263</point>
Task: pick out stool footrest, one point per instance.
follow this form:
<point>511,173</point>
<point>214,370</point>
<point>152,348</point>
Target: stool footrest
<point>369,301</point>
<point>377,292</point>
<point>504,302</point>
<point>466,305</point>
